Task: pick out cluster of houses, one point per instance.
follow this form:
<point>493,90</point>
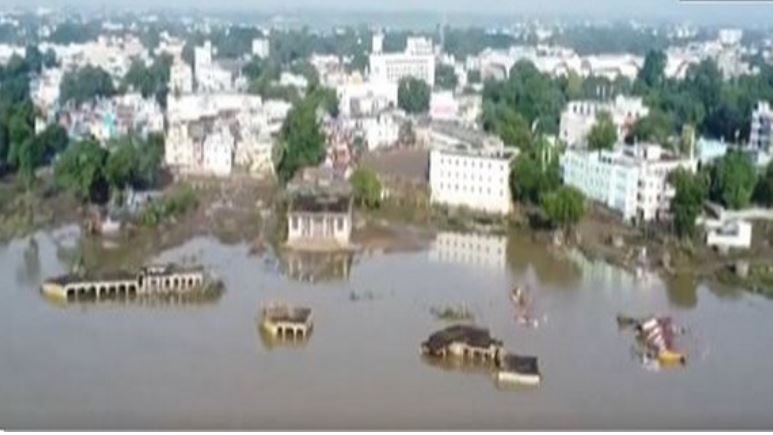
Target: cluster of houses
<point>213,127</point>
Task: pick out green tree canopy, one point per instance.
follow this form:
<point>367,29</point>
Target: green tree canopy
<point>445,77</point>
<point>302,140</point>
<point>733,179</point>
<point>86,84</point>
<point>534,174</point>
<point>413,95</point>
<point>691,192</point>
<point>367,187</point>
<point>603,134</point>
<point>763,193</point>
<point>80,170</point>
<point>657,127</point>
<point>564,207</point>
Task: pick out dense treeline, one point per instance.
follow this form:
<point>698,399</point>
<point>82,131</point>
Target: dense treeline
<point>85,84</point>
<point>150,81</point>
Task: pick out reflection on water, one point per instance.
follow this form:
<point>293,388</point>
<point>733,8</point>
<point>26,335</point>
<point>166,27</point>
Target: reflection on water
<point>548,265</point>
<point>30,273</point>
<point>316,266</point>
<point>271,341</point>
<point>189,368</point>
<point>478,250</point>
<point>150,300</point>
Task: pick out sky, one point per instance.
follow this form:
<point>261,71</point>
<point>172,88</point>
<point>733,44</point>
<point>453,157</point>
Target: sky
<point>713,11</point>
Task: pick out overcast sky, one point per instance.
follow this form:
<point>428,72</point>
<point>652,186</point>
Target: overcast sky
<point>717,11</point>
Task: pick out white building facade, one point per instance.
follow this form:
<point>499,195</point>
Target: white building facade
<point>579,117</point>
<point>416,61</point>
<point>631,179</point>
<point>761,132</point>
<point>471,179</point>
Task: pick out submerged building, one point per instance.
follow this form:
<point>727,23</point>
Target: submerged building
<point>161,279</point>
<point>319,215</point>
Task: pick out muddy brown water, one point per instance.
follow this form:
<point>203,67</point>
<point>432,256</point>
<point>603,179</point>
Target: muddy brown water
<point>206,366</point>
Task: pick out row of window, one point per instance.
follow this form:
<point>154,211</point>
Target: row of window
<point>470,189</point>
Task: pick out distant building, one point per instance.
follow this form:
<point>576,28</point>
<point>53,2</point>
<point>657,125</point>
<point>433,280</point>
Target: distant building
<point>708,150</point>
<point>180,78</point>
<point>294,80</point>
<point>319,215</point>
<point>357,98</point>
<point>761,132</point>
<point>261,48</point>
<point>210,134</point>
<point>379,131</point>
<point>443,106</point>
<point>210,76</point>
<point>579,117</point>
<point>631,179</point>
<point>416,61</point>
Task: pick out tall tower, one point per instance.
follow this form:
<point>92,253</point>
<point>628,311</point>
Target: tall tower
<point>378,42</point>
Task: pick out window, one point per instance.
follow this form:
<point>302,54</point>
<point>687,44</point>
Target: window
<point>340,223</point>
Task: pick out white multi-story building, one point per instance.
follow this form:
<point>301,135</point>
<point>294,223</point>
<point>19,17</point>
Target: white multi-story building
<point>578,117</point>
<point>730,36</point>
<point>380,130</point>
<point>297,81</point>
<point>9,51</point>
<point>358,98</point>
<point>210,76</point>
<point>443,106</point>
<point>468,169</point>
<point>479,250</point>
<point>416,61</point>
<point>761,132</point>
<point>261,47</point>
<point>631,179</point>
<point>180,78</point>
<point>209,134</point>
<point>475,180</point>
<point>44,90</point>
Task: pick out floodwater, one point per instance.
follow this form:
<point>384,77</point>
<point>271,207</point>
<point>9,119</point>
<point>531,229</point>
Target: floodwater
<point>206,366</point>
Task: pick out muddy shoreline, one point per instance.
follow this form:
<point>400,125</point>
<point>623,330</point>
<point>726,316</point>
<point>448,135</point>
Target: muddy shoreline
<point>244,210</point>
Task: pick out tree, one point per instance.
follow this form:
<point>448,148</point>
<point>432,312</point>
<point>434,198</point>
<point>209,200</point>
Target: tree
<point>413,95</point>
<point>656,127</point>
<point>150,156</point>
<point>120,168</point>
<point>733,179</point>
<point>691,192</point>
<point>652,74</point>
<point>603,134</point>
<point>535,173</point>
<point>367,187</point>
<point>763,193</point>
<point>508,124</point>
<point>150,81</point>
<point>79,170</point>
<point>445,77</point>
<point>564,207</point>
<point>534,95</point>
<point>85,84</point>
<point>303,143</point>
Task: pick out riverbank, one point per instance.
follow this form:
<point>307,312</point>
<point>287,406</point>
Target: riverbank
<point>24,211</point>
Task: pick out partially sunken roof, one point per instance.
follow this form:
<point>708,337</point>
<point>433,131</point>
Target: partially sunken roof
<point>92,277</point>
<point>519,364</point>
<point>470,335</point>
<point>320,204</point>
<point>287,314</point>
